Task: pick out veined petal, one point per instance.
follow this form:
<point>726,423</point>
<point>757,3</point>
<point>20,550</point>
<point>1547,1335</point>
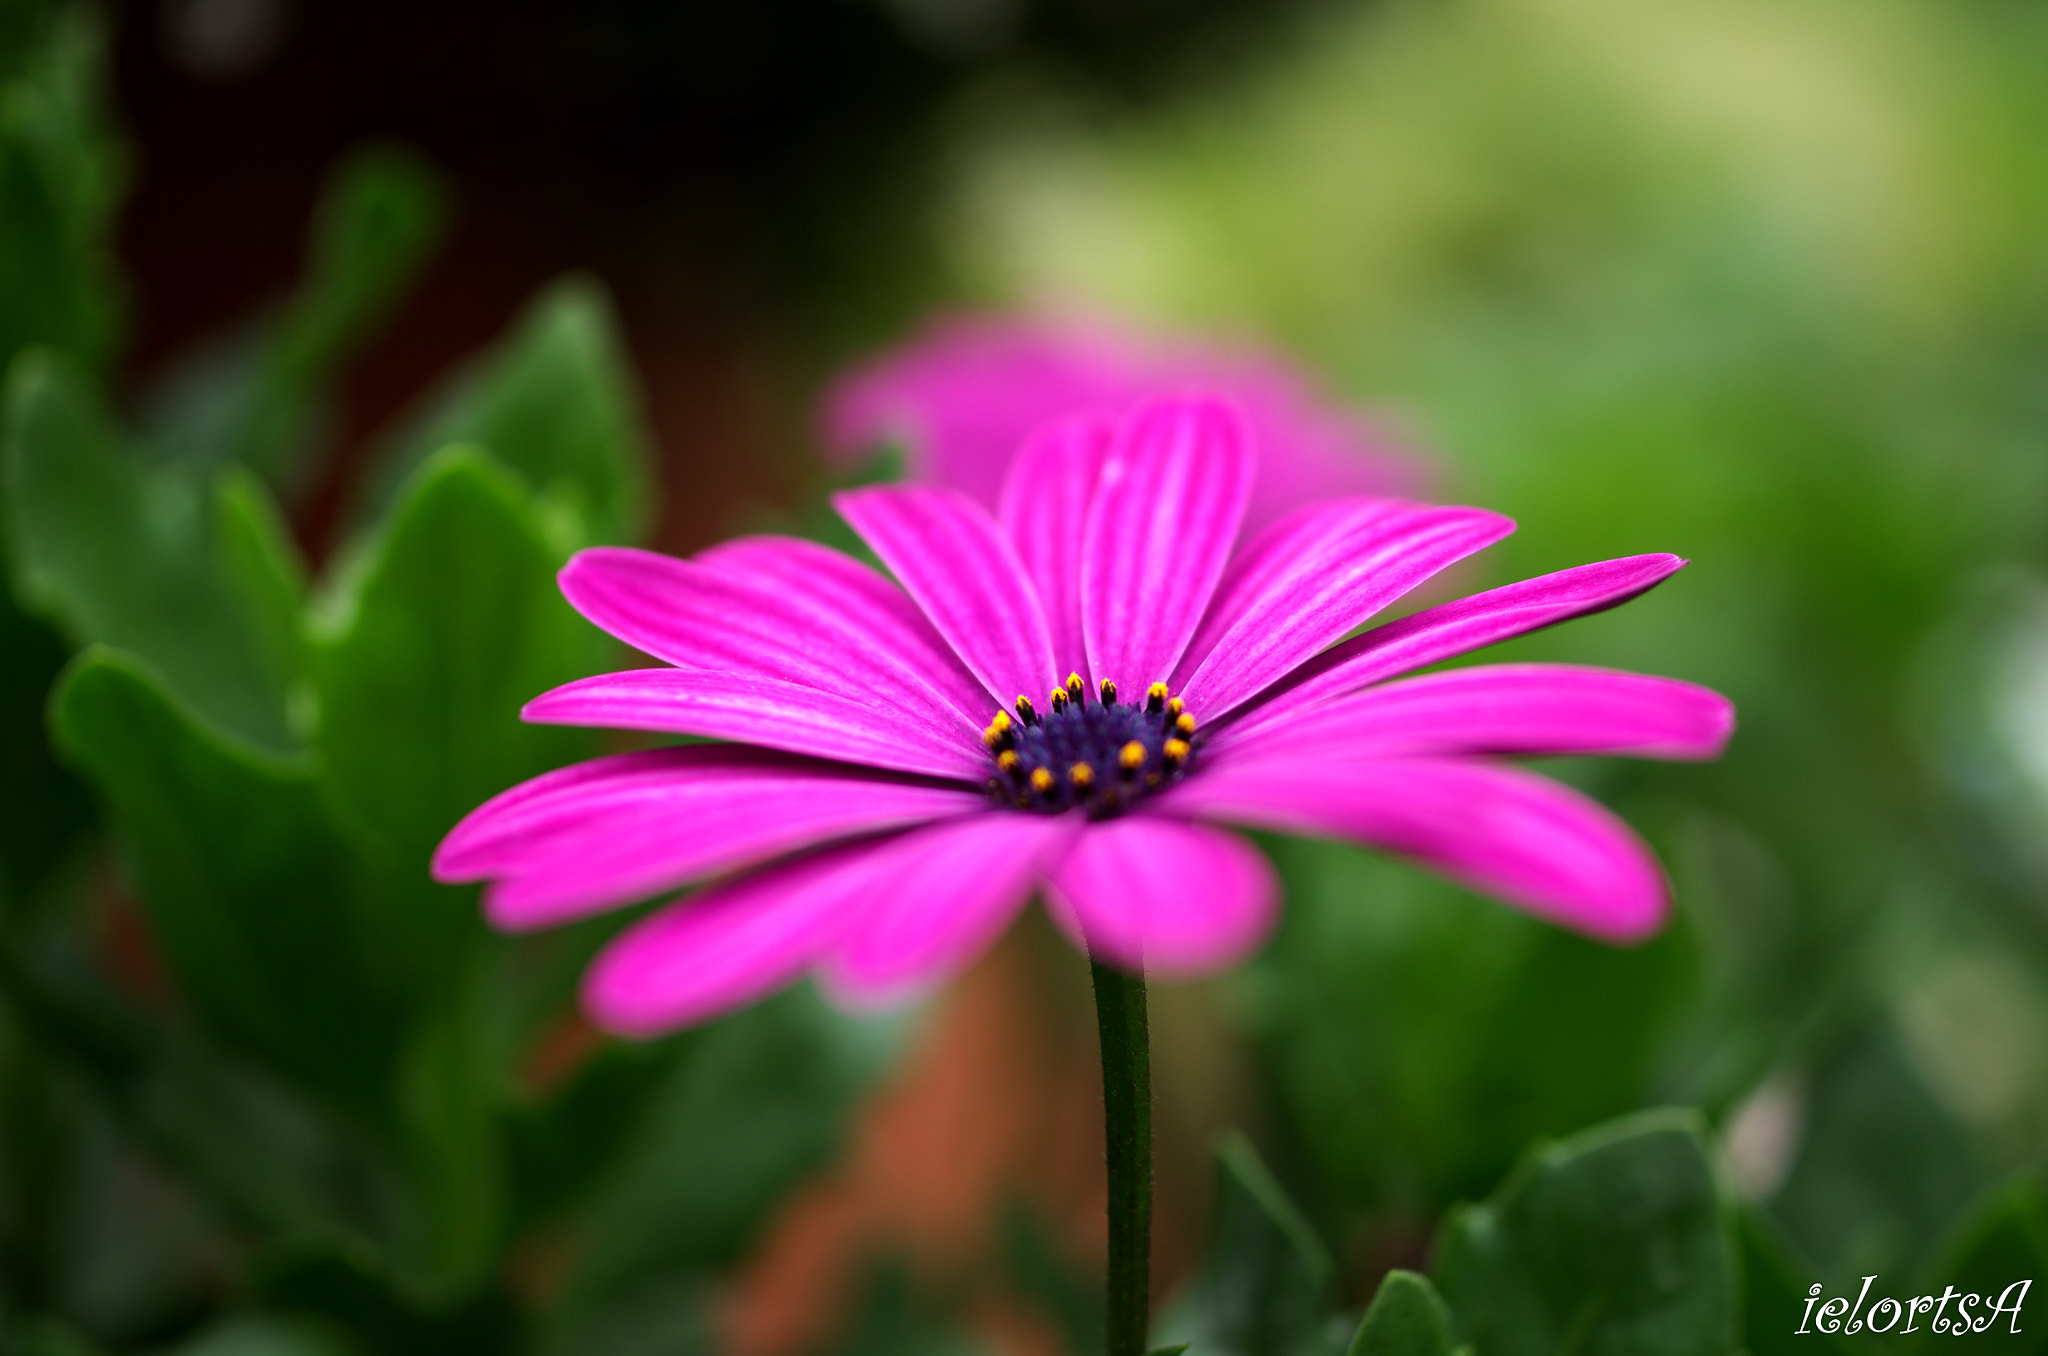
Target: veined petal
<point>1173,493</point>
<point>950,556</point>
<point>943,895</point>
<point>1504,832</point>
<point>590,837</point>
<point>1161,897</point>
<point>1046,495</point>
<point>729,945</point>
<point>1525,709</point>
<point>1312,577</point>
<point>724,621</point>
<point>503,834</point>
<point>1453,628</point>
<point>767,712</point>
<point>868,605</point>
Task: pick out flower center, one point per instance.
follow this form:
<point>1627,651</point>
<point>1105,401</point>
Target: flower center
<point>1098,756</point>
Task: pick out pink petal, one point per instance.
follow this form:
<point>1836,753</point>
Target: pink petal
<point>768,712</point>
<point>593,836</point>
<point>728,946</point>
<point>1311,578</point>
<point>951,557</point>
<point>945,895</point>
<point>965,393</point>
<point>867,604</point>
<point>1163,898</point>
<point>723,621</point>
<point>1045,510</point>
<point>1453,628</point>
<point>1526,709</point>
<point>1159,534</point>
<point>1504,832</point>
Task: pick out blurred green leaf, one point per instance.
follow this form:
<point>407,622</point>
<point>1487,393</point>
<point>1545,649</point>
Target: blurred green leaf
<point>147,557</point>
<point>45,1337</point>
<point>258,396</point>
<point>450,1091</point>
<point>347,1291</point>
<point>560,1146</point>
<point>1264,1289</point>
<point>893,1319</point>
<point>44,808</point>
<point>1882,1167</point>
<point>1068,1294</point>
<point>269,1335</point>
<point>556,401</point>
<point>669,1316</point>
<point>1406,1318</point>
<point>1611,1243</point>
<point>2003,1240</point>
<point>245,883</point>
<point>749,1106</point>
<point>61,175</point>
<point>439,630</point>
<point>1774,1293</point>
<point>1420,1037</point>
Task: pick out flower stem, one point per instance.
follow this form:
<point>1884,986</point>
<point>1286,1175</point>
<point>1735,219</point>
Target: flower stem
<point>1127,1130</point>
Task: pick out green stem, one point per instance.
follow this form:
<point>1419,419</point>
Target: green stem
<point>1127,1131</point>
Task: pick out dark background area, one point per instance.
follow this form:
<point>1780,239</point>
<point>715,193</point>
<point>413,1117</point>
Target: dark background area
<point>737,175</point>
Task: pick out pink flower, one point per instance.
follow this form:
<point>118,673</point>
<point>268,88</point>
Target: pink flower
<point>889,802</point>
<point>962,397</point>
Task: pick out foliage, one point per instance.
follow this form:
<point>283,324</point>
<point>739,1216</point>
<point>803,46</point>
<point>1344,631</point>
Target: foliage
<point>337,1080</point>
<point>1760,284</point>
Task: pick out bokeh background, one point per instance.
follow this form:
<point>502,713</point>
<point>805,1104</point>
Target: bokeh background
<point>1764,284</point>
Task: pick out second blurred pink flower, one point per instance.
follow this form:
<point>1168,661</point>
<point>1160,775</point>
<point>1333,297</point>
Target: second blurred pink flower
<point>961,397</point>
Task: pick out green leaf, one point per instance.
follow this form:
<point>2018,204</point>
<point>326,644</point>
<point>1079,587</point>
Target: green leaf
<point>1774,1287</point>
<point>148,557</point>
<point>1392,1003</point>
<point>61,175</point>
<point>348,1291</point>
<point>747,1109</point>
<point>258,396</point>
<point>44,808</point>
<point>1407,1318</point>
<point>247,887</point>
<point>2003,1240</point>
<point>268,1335</point>
<point>555,401</point>
<point>442,627</point>
<point>1611,1243</point>
<point>1264,1289</point>
<point>1882,1166</point>
<point>449,1099</point>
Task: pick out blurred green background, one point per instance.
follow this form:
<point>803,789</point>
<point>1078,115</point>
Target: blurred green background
<point>306,399</point>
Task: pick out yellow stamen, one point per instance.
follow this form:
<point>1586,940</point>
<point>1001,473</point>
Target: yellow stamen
<point>1185,725</point>
<point>996,737</point>
<point>1081,775</point>
<point>1175,706</point>
<point>1007,760</point>
<point>1131,756</point>
<point>1041,780</point>
<point>1108,693</point>
<point>1077,689</point>
<point>1155,699</point>
<point>1058,700</point>
<point>1001,722</point>
<point>1174,751</point>
<point>1025,710</point>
